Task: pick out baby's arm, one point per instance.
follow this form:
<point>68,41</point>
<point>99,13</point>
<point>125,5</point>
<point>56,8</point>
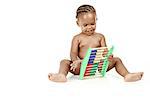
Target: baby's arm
<point>74,53</point>
<point>102,41</point>
<point>103,44</point>
<point>74,49</point>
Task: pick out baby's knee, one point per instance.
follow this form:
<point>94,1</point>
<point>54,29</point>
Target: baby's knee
<point>65,61</point>
<point>117,59</point>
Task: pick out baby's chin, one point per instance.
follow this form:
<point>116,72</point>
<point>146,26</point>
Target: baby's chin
<point>89,33</point>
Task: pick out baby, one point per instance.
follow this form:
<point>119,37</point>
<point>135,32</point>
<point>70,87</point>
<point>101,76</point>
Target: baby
<point>88,38</point>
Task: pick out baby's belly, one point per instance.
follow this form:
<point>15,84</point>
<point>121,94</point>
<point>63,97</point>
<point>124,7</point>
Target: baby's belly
<point>82,53</point>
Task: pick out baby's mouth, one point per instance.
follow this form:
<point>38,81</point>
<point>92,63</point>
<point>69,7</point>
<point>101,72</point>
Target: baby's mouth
<point>90,31</point>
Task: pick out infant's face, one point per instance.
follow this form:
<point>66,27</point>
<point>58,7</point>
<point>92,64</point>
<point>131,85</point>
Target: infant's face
<point>87,23</point>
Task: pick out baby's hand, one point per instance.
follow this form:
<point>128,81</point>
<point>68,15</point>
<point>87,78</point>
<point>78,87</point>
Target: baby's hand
<point>110,58</point>
<point>75,64</point>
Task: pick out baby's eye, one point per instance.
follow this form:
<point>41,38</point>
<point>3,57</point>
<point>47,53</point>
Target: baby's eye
<point>92,24</point>
<point>85,25</point>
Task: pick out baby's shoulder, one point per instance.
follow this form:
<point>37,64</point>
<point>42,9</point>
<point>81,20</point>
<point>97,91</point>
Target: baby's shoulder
<point>76,37</point>
<point>99,35</point>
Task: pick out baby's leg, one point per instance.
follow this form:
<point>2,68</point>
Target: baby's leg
<point>63,71</point>
<point>121,69</point>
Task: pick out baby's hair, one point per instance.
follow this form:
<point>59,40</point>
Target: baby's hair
<point>85,9</point>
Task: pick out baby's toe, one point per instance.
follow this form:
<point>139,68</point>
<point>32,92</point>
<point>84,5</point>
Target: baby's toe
<point>49,76</point>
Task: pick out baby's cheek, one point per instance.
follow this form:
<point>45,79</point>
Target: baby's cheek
<point>94,27</point>
<point>83,29</point>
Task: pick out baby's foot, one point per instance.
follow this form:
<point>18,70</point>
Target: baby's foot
<point>57,77</point>
<point>133,77</point>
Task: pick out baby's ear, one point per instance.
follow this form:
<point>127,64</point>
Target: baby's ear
<point>77,22</point>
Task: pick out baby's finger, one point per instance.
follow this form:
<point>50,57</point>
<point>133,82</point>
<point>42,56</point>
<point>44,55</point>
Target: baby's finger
<point>110,59</point>
<point>71,68</point>
<point>111,56</point>
<point>71,64</point>
<point>74,69</point>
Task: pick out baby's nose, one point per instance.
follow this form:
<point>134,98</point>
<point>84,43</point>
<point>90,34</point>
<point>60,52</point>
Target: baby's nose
<point>89,27</point>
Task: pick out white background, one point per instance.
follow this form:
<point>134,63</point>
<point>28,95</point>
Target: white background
<point>36,34</point>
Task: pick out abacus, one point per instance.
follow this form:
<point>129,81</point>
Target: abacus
<point>95,60</point>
